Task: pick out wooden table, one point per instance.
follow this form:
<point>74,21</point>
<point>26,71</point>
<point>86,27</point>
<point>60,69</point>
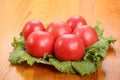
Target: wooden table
<point>15,13</point>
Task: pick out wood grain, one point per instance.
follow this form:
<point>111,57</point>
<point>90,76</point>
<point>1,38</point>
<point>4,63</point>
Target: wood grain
<point>15,13</point>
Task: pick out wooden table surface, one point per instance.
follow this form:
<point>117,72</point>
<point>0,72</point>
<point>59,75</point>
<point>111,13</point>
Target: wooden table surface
<point>15,13</point>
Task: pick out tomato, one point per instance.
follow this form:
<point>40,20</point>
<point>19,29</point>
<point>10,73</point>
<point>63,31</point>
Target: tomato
<point>31,26</point>
<point>38,43</point>
<point>69,47</point>
<point>76,20</point>
<point>58,28</point>
<point>87,34</point>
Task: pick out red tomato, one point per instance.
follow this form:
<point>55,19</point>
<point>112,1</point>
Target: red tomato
<point>87,34</point>
<point>38,43</point>
<point>76,20</point>
<point>31,26</point>
<point>69,47</point>
<point>58,28</point>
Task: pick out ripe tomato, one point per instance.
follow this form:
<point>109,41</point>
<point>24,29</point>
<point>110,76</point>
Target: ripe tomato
<point>38,43</point>
<point>76,20</point>
<point>69,47</point>
<point>87,34</point>
<point>58,28</point>
<point>31,26</point>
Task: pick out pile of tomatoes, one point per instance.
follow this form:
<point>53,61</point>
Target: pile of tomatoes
<point>65,40</point>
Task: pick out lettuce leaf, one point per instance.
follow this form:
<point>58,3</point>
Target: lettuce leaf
<point>98,29</point>
<point>65,67</point>
<point>84,67</point>
<point>89,64</point>
<point>19,55</point>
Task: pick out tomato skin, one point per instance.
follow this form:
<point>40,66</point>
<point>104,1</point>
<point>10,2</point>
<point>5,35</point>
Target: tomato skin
<point>58,28</point>
<point>87,34</point>
<point>76,20</point>
<point>31,26</point>
<point>38,43</point>
<point>69,47</point>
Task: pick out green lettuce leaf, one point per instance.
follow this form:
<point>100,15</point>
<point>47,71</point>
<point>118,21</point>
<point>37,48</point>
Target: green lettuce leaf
<point>19,55</point>
<point>97,52</point>
<point>18,42</point>
<point>65,67</point>
<point>98,29</point>
<point>84,67</point>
